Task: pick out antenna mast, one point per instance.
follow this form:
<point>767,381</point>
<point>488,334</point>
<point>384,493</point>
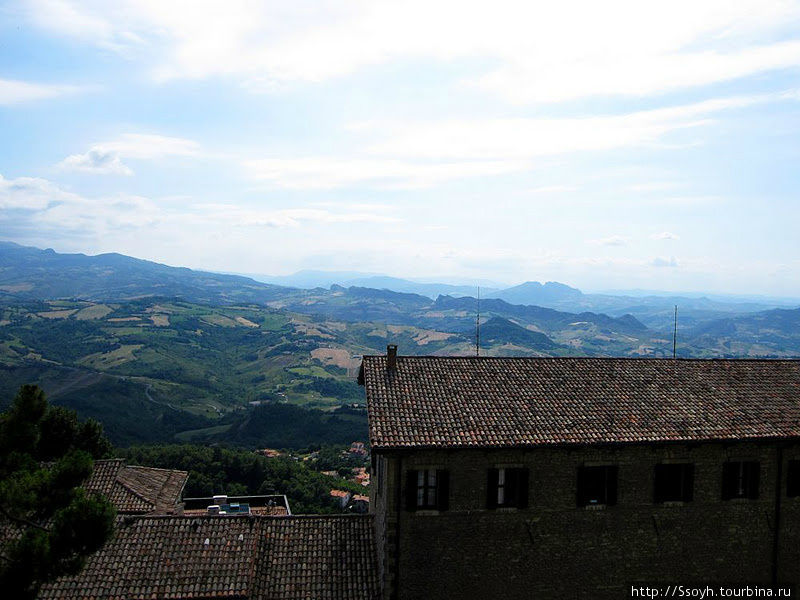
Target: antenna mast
<point>675,334</point>
<point>478,326</point>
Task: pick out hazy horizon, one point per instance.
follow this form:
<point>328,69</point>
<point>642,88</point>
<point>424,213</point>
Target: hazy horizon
<point>621,145</point>
<point>486,286</point>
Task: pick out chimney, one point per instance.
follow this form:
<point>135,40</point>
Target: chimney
<point>391,357</point>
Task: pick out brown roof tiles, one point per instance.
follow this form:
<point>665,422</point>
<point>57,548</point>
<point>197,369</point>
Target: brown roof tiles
<point>502,402</point>
<point>137,490</point>
<point>210,557</point>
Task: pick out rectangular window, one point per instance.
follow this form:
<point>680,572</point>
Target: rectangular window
<point>597,485</point>
<point>427,489</point>
<point>793,478</point>
<point>674,483</point>
<point>507,488</point>
<point>740,479</point>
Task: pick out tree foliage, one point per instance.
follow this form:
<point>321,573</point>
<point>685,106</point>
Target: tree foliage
<point>48,523</point>
<point>239,472</point>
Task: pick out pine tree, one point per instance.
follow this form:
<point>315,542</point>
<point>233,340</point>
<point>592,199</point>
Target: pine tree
<point>49,525</point>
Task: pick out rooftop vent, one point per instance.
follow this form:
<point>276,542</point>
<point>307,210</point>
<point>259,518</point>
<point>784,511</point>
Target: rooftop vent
<point>391,356</point>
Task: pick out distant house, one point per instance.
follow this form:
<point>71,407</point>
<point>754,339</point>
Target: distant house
<point>358,449</point>
<point>270,452</point>
<point>341,496</point>
<point>360,504</point>
<point>574,477</point>
<point>361,476</point>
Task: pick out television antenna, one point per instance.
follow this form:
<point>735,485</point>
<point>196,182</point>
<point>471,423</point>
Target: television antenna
<point>675,334</point>
<point>478,326</point>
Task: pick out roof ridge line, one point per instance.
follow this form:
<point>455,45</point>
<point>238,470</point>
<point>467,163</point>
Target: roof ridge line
<point>134,492</point>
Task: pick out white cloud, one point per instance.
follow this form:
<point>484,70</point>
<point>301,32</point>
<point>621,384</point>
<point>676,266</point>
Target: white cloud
<point>652,186</point>
<point>109,27</point>
<point>553,189</point>
<point>538,52</point>
<point>17,92</point>
<point>291,217</point>
<point>526,138</point>
<point>414,154</point>
<point>96,160</point>
<point>107,157</point>
<point>636,74</point>
<point>613,240</point>
<point>35,206</point>
<point>665,235</point>
<point>31,194</point>
<point>150,146</point>
<point>664,262</point>
<point>328,172</point>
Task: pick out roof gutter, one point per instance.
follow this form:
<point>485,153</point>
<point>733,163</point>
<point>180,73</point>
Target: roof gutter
<point>572,445</point>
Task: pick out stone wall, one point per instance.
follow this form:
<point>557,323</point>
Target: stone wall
<point>555,549</point>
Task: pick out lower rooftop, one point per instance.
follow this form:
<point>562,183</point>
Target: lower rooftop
<point>247,557</point>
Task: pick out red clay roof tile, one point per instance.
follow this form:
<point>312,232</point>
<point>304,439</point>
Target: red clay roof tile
<point>503,402</point>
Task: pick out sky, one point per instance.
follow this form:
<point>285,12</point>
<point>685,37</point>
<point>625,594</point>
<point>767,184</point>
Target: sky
<point>601,144</point>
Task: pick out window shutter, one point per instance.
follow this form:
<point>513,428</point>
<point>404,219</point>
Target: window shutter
<point>522,488</point>
<point>512,487</point>
<point>658,486</point>
<point>753,470</point>
<point>581,499</point>
<point>611,485</point>
<point>411,490</point>
<point>491,488</point>
<point>793,478</point>
<point>688,482</point>
<point>443,489</point>
<point>730,473</point>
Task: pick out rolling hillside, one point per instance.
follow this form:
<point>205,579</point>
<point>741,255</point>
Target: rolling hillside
<point>160,353</point>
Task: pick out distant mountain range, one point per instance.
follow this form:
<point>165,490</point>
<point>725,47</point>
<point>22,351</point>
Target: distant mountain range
<point>653,308</point>
<point>32,273</point>
<point>309,279</point>
<point>157,351</point>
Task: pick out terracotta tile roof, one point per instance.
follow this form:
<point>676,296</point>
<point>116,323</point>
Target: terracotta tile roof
<point>320,557</point>
<point>163,557</point>
<point>166,557</point>
<point>137,490</point>
<point>502,402</point>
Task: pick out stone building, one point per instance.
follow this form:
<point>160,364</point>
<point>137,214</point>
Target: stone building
<point>578,477</point>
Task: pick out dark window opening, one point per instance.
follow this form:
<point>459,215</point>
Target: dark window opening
<point>674,483</point>
<point>507,488</point>
<point>597,485</point>
<point>427,489</point>
<point>793,479</point>
<point>740,479</point>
